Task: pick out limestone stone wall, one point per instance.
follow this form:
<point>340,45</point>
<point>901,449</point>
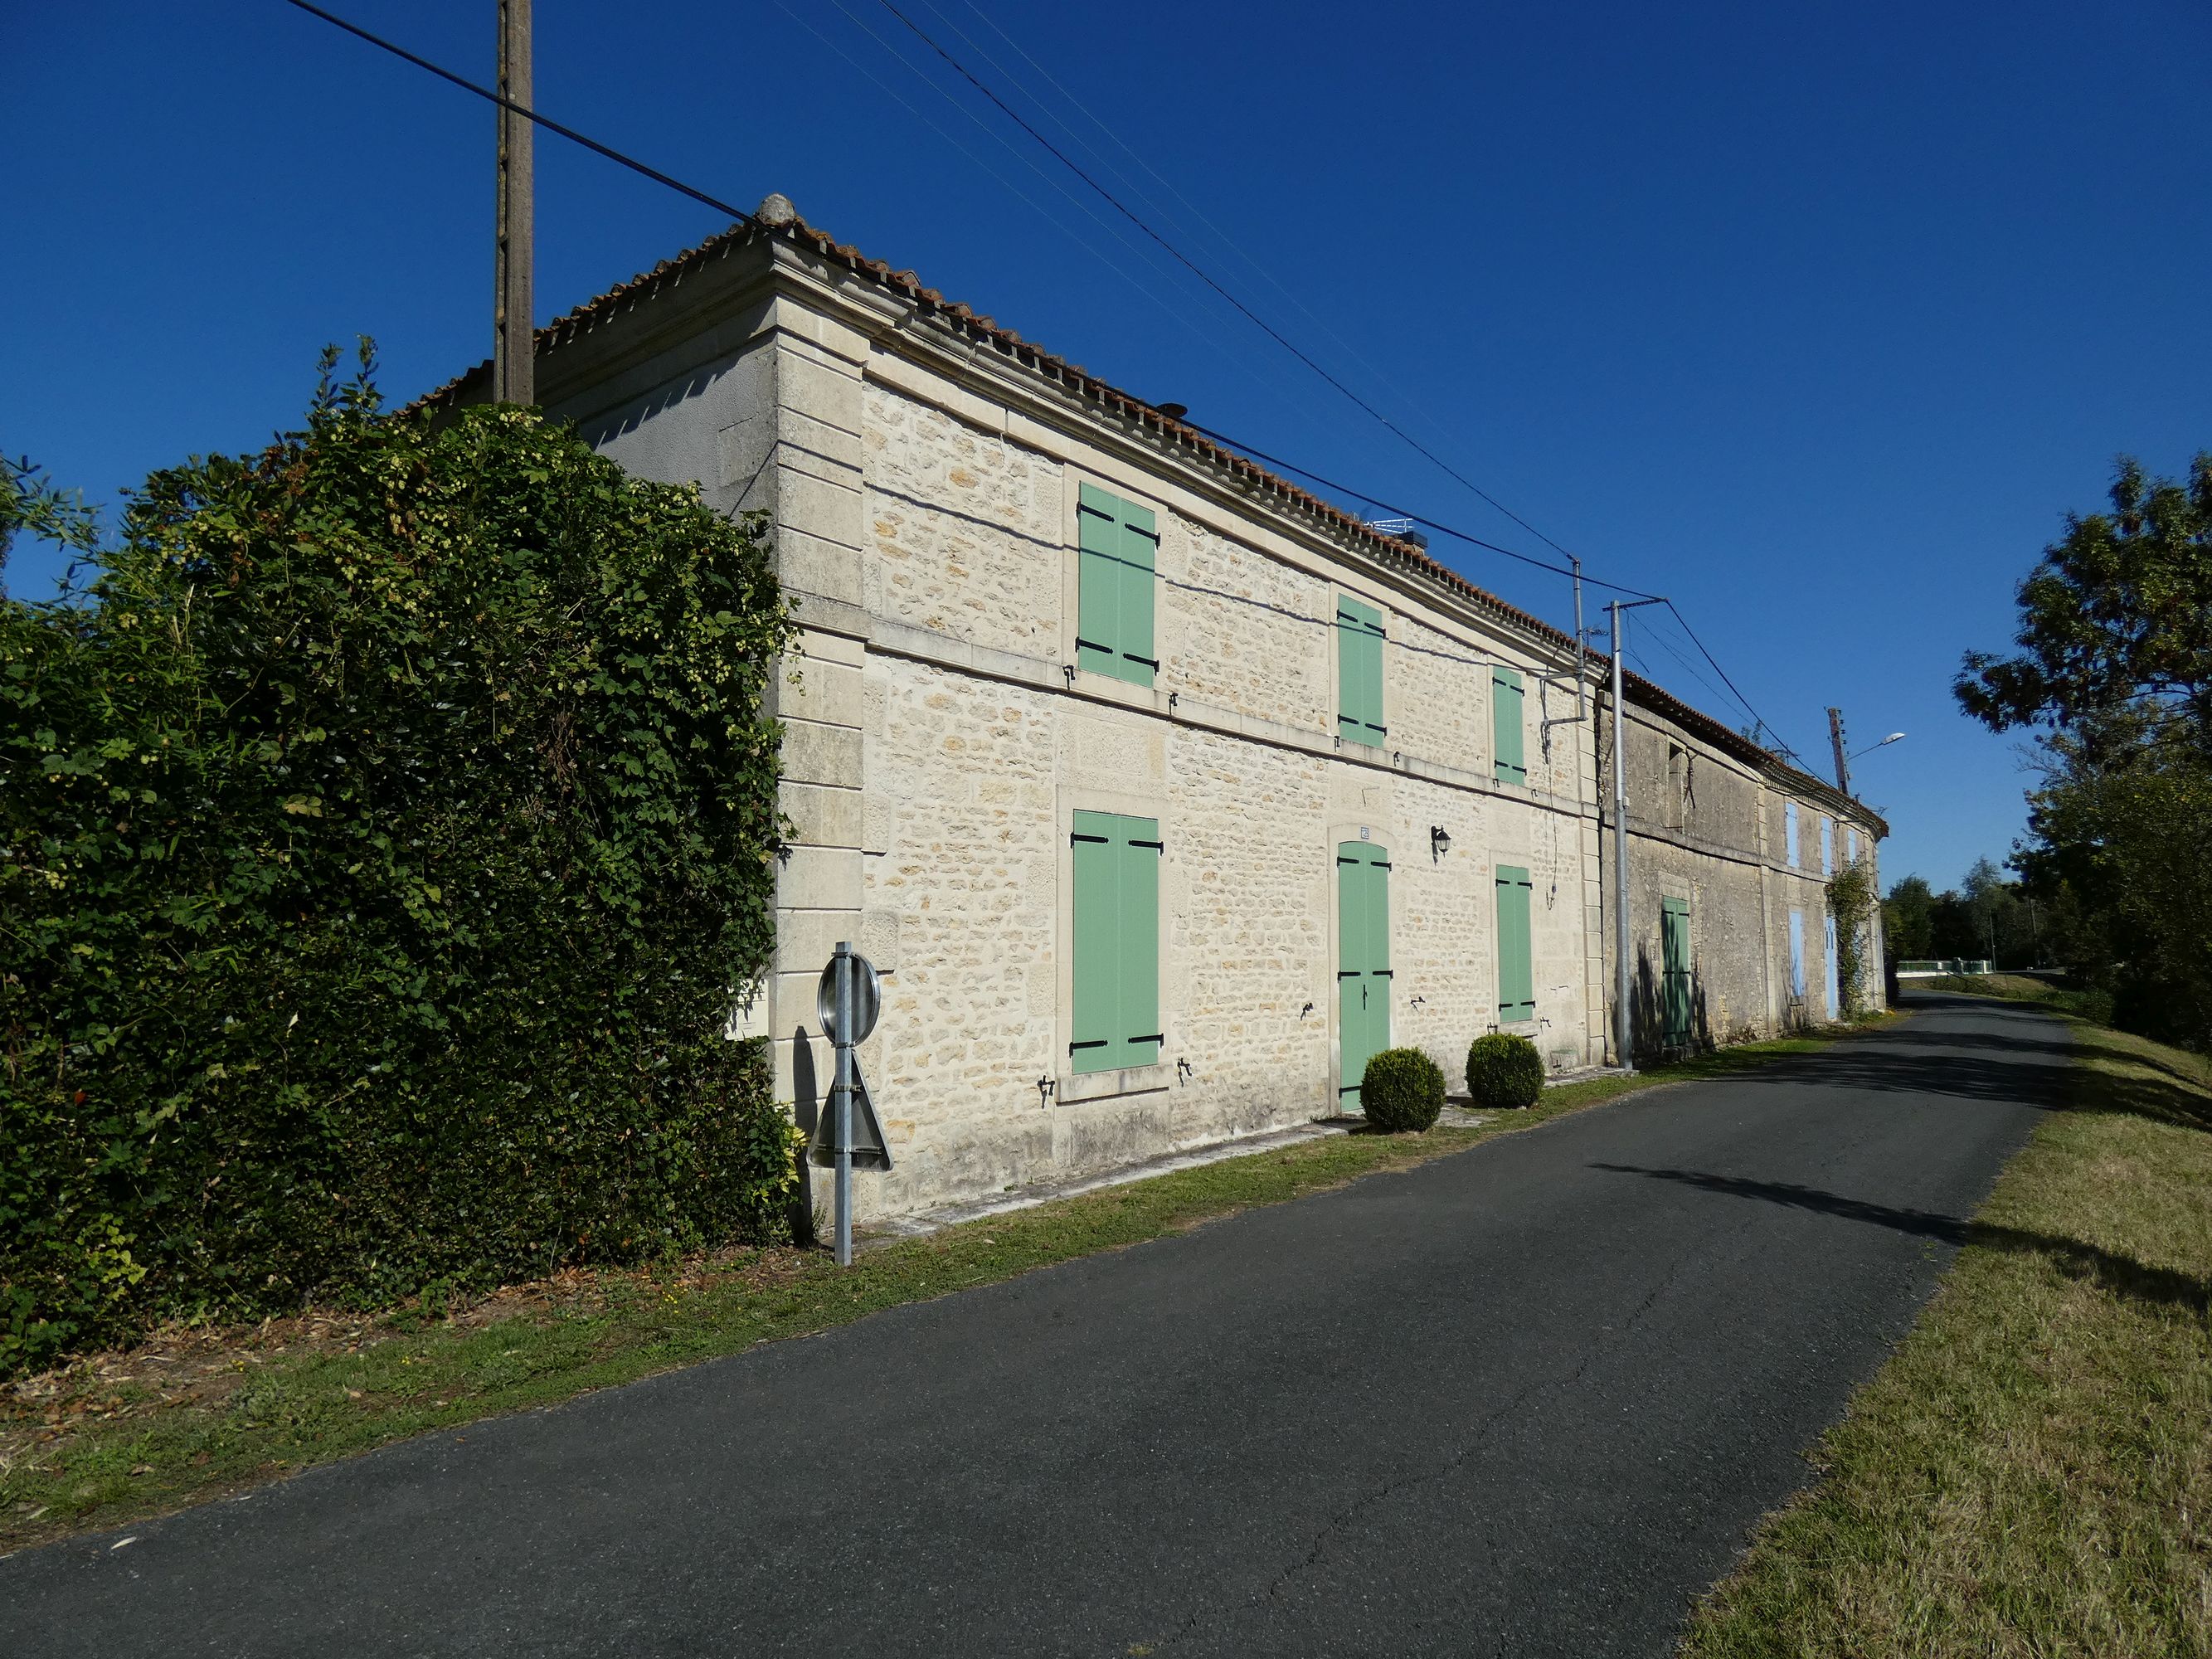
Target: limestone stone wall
<point>980,746</point>
<point>939,742</point>
<point>1243,631</point>
<point>965,529</point>
<point>1706,829</point>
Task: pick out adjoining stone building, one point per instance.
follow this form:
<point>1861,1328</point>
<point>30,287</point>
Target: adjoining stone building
<point>1162,791</point>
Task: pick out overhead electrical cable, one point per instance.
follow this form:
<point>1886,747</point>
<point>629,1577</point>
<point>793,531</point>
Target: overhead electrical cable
<point>1254,317</point>
<point>1149,290</point>
<point>1302,356</point>
<point>1220,236</point>
<point>743,216</point>
<point>1764,724</point>
<point>527,114</point>
<point>1396,511</point>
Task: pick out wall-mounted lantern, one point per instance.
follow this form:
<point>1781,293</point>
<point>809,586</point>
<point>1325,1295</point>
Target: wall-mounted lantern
<point>1439,842</point>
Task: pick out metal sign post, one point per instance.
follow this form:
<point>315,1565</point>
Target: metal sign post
<point>1623,1021</point>
<point>848,1136</point>
<point>842,1092</point>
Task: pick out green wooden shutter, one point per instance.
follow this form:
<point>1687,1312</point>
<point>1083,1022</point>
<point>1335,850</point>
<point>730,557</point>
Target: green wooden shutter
<point>1118,547</point>
<point>1510,762</point>
<point>1097,946</point>
<point>1098,581</point>
<point>1675,958</point>
<point>1351,967</point>
<point>1516,967</point>
<point>1359,672</point>
<point>1140,546</point>
<point>1139,853</point>
<point>1116,959</point>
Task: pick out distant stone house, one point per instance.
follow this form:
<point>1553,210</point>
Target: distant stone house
<point>1163,793</point>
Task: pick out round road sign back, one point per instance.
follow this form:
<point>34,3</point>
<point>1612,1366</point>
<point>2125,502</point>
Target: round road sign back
<point>867,998</point>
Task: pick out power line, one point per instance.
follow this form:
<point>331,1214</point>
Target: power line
<point>531,115</point>
<point>1675,611</point>
<point>741,217</point>
<point>1228,242</point>
<point>1406,513</point>
<point>1150,291</point>
<point>1066,162</point>
<point>1254,317</point>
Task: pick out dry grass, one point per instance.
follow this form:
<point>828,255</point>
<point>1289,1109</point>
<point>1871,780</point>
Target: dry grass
<point>2031,1474</point>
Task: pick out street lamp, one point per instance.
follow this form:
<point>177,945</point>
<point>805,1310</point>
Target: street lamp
<point>1894,737</point>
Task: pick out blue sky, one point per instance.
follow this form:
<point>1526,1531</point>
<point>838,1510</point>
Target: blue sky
<point>1817,319</point>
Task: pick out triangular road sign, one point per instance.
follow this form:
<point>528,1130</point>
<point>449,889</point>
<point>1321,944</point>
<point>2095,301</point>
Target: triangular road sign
<point>870,1149</point>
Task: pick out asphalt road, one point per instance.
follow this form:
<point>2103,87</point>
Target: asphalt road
<point>1527,1400</point>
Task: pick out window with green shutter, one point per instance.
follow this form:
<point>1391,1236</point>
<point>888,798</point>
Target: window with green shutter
<point>1118,547</point>
<point>1359,672</point>
<point>1510,764</point>
<point>1117,943</point>
<point>1517,963</point>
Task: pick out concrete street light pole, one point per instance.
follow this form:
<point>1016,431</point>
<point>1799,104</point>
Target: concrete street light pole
<point>1622,1020</point>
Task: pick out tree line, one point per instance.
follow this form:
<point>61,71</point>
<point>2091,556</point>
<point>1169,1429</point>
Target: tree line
<point>2112,677</point>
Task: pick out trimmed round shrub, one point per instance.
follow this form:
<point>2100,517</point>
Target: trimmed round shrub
<point>1403,1088</point>
<point>1504,1070</point>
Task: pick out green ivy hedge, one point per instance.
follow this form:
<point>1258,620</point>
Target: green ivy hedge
<point>386,827</point>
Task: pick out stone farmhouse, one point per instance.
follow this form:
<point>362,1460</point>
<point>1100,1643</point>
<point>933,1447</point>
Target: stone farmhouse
<point>1163,793</point>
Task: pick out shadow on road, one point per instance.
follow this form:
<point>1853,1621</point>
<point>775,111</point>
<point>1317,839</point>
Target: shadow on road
<point>2187,1106</point>
<point>1890,1064</point>
<point>2122,1275</point>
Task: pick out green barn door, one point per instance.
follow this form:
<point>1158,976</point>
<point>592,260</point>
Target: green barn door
<point>1363,971</point>
<point>1675,952</point>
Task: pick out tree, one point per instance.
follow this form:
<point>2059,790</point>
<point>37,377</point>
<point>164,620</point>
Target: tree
<point>2116,618</point>
<point>1908,920</point>
<point>1989,906</point>
<point>30,503</point>
<point>2115,673</point>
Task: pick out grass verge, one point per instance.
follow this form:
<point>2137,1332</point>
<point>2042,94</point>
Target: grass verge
<point>2031,1472</point>
<point>193,1414</point>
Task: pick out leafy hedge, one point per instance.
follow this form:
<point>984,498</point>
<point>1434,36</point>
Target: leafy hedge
<point>385,830</point>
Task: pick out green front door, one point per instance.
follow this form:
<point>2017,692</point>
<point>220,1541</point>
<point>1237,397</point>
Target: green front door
<point>1363,960</point>
<point>1674,988</point>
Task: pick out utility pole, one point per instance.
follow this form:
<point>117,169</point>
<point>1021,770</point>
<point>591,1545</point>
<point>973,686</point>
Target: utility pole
<point>1843,761</point>
<point>1624,1017</point>
<point>514,344</point>
<point>1623,1021</point>
<point>1581,640</point>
